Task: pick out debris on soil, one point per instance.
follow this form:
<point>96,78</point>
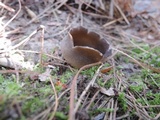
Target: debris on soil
<point>37,83</point>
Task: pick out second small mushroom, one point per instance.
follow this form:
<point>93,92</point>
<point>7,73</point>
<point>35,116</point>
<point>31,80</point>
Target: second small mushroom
<point>82,47</point>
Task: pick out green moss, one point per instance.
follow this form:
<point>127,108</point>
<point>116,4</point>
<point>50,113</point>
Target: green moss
<point>109,83</point>
<point>153,98</point>
<point>32,105</point>
<point>46,91</point>
<point>60,116</point>
<point>44,57</point>
<point>137,88</point>
<point>66,76</point>
<point>101,82</point>
<point>39,68</point>
<point>100,110</point>
<point>9,87</point>
<point>152,57</point>
<point>90,72</point>
<point>122,101</point>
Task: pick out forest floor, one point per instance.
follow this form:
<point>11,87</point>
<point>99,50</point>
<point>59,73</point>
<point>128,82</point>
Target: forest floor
<point>36,81</point>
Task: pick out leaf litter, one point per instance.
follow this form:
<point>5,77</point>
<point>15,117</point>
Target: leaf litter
<point>129,89</point>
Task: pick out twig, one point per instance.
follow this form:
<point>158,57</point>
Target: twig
<point>71,103</point>
<point>93,98</point>
<point>60,32</point>
<point>45,112</point>
<point>56,99</point>
<point>121,12</point>
<point>111,10</point>
<point>19,1</point>
<point>86,89</point>
<point>142,112</point>
<point>97,92</point>
<point>135,105</point>
<point>107,115</point>
<point>62,2</point>
<point>123,116</point>
<point>85,101</point>
<point>112,22</point>
<point>17,73</point>
<point>151,106</point>
<point>125,35</point>
<point>19,44</point>
<point>128,56</point>
<point>80,15</point>
<point>7,7</point>
<point>157,117</point>
<point>54,57</point>
<point>73,10</point>
<point>42,44</point>
<point>143,65</point>
<point>19,109</point>
<point>111,113</point>
<point>115,109</point>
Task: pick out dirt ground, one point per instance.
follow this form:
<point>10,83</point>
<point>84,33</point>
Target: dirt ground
<point>36,82</point>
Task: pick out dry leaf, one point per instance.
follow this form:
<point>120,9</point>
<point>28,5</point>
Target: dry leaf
<point>109,92</point>
<point>105,70</point>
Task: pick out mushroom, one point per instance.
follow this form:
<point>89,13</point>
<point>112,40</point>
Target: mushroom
<point>82,47</point>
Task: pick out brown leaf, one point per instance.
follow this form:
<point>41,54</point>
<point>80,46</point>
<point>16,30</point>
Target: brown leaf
<point>105,70</point>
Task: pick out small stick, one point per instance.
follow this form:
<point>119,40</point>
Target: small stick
<point>7,7</point>
<point>112,22</point>
<point>87,88</point>
<point>111,11</point>
<point>42,44</point>
<point>20,6</point>
<point>19,44</point>
<point>72,94</point>
<point>121,12</point>
<point>56,99</point>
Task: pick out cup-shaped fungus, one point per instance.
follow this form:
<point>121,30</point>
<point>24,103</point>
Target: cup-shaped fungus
<point>82,47</point>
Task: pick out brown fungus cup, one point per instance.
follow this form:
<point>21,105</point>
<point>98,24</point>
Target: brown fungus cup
<point>82,47</point>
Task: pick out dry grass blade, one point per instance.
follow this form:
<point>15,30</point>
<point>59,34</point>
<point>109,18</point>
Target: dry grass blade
<point>121,12</point>
<point>72,91</point>
<point>87,88</point>
<point>42,44</point>
<point>143,65</point>
<point>111,10</point>
<point>7,7</point>
<point>112,22</point>
<point>44,113</point>
<point>56,100</point>
<point>21,43</point>
<point>127,87</point>
<point>32,14</point>
<point>132,102</point>
<point>58,4</point>
<point>19,1</point>
<point>93,98</point>
<point>48,55</point>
